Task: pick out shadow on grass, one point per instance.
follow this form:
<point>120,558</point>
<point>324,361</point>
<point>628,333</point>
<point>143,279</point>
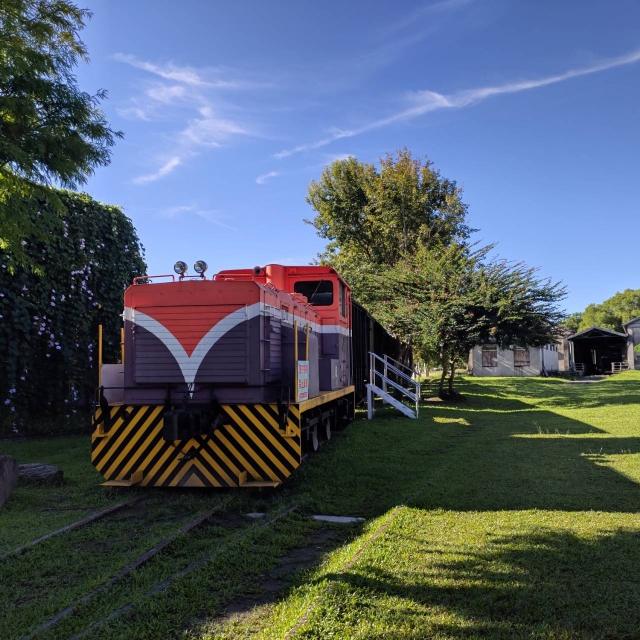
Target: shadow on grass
<point>547,584</point>
<point>490,452</point>
<point>553,392</point>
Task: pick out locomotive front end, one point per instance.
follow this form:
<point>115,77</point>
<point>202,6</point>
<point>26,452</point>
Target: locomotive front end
<point>209,393</point>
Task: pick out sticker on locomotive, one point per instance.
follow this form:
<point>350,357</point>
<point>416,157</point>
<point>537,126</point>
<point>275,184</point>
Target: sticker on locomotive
<point>303,380</point>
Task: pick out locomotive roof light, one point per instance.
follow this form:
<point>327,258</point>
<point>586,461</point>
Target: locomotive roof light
<point>180,268</point>
<point>200,267</point>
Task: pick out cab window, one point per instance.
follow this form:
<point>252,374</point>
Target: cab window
<point>319,293</point>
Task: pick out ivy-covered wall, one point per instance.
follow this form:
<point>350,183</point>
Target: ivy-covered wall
<point>49,315</point>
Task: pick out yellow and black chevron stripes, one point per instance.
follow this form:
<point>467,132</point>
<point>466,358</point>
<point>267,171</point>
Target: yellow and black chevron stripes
<point>250,440</point>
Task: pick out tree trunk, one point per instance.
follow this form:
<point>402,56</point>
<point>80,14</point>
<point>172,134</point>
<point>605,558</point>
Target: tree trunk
<point>452,365</point>
<point>443,362</point>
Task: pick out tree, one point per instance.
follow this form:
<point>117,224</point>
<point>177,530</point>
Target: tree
<point>572,322</point>
<point>614,312</point>
<point>51,132</point>
<point>446,300</point>
<point>374,217</point>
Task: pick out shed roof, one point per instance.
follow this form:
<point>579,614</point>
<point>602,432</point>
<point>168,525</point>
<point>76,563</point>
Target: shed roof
<point>626,324</point>
<point>597,332</point>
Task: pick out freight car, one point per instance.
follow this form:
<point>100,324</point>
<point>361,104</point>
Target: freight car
<point>229,381</point>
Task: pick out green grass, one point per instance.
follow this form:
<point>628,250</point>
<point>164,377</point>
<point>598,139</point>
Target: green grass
<point>513,514</point>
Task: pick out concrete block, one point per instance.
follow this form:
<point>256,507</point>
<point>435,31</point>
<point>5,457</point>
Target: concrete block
<point>38,472</point>
<point>8,477</point>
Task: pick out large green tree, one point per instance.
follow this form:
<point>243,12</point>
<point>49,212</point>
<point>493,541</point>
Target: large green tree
<point>374,216</point>
<point>51,132</point>
<point>612,313</point>
<point>445,300</point>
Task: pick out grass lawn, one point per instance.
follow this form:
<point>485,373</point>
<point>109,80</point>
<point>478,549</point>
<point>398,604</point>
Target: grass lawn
<point>513,514</point>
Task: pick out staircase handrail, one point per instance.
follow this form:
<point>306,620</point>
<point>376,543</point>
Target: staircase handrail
<point>397,362</point>
<point>410,394</point>
<point>414,396</point>
<point>397,371</point>
<point>403,375</point>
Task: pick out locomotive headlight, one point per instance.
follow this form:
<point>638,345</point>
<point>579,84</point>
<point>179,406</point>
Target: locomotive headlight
<point>180,268</point>
<point>200,267</point>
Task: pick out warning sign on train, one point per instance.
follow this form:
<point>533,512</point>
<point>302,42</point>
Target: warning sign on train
<point>303,380</point>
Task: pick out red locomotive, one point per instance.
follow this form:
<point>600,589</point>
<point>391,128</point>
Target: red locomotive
<point>229,381</point>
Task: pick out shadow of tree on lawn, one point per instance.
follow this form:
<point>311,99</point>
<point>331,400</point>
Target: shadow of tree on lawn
<point>547,584</point>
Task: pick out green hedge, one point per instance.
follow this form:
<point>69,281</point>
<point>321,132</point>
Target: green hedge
<point>49,314</point>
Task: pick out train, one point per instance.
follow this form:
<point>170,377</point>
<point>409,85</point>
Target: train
<point>231,380</point>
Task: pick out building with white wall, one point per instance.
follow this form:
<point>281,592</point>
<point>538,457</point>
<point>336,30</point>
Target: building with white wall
<point>491,360</point>
<point>632,329</point>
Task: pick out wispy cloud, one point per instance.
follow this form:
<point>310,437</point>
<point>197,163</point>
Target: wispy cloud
<point>190,97</point>
<point>163,171</point>
<point>210,130</point>
<point>266,176</point>
<point>171,71</point>
<point>425,12</point>
<point>426,101</point>
<point>210,215</point>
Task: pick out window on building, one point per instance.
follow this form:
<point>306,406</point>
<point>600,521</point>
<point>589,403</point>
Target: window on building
<point>343,301</point>
<point>319,293</point>
<point>490,355</point>
<point>521,357</point>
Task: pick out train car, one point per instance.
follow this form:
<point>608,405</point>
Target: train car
<point>229,381</point>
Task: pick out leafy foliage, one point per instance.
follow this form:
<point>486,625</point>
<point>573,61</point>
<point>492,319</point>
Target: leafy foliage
<point>399,236</point>
<point>50,130</point>
<point>48,320</point>
<point>446,300</point>
<point>572,322</point>
<point>612,313</point>
<point>373,217</point>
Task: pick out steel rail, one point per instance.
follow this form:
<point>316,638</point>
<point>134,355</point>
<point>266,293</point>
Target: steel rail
<point>136,564</point>
<point>163,586</point>
<point>74,525</point>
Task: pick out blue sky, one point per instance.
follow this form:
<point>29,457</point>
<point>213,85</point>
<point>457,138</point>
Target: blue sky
<point>229,109</point>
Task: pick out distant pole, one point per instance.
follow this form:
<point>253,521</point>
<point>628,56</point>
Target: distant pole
<point>99,355</point>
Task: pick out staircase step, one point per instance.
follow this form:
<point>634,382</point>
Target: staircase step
<point>392,401</point>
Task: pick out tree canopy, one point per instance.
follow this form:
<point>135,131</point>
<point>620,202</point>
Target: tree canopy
<point>446,300</point>
<point>400,237</point>
<point>613,313</point>
<point>372,217</point>
<point>51,132</point>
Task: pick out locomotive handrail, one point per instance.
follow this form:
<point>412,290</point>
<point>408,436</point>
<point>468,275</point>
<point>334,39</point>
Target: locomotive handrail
<point>413,395</point>
<point>149,278</point>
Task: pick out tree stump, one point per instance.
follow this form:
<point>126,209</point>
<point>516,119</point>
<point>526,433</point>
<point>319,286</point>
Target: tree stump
<point>38,472</point>
<point>8,477</point>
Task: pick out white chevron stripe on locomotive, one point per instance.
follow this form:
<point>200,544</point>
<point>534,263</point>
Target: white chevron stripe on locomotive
<point>189,365</point>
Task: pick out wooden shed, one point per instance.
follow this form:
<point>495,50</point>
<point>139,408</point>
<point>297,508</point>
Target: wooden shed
<point>596,350</point>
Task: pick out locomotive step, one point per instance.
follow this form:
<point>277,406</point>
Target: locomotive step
<point>261,483</point>
<point>136,478</point>
<point>243,481</point>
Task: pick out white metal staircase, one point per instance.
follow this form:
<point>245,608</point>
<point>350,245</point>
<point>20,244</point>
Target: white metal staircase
<point>385,372</point>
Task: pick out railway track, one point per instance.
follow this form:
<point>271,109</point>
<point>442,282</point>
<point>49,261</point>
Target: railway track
<point>75,525</point>
<point>55,625</point>
<point>125,571</point>
<point>165,584</point>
